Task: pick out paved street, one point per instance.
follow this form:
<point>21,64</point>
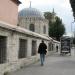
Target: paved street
<point>54,65</point>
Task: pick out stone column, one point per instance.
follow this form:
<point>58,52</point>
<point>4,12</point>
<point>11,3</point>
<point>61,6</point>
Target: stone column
<point>29,47</point>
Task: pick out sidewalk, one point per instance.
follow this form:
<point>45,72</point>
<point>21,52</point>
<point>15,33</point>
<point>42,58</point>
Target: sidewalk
<point>54,65</point>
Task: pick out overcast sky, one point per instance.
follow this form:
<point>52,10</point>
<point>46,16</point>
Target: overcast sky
<point>61,7</point>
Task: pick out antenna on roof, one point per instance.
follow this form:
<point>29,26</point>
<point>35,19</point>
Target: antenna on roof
<point>30,4</point>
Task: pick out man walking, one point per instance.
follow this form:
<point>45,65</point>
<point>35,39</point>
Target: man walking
<point>42,51</point>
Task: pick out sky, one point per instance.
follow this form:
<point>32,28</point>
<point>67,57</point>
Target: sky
<point>62,9</point>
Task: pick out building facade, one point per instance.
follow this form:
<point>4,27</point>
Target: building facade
<point>33,20</point>
<point>20,36</point>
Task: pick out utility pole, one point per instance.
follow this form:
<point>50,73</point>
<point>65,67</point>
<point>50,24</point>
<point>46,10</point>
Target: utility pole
<point>71,26</point>
<point>73,34</point>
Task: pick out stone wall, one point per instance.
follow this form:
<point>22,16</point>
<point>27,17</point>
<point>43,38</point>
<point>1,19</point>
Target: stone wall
<point>39,24</point>
<point>12,61</point>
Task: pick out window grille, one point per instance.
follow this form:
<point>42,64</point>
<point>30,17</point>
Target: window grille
<point>33,48</point>
<point>32,27</point>
<point>44,29</point>
<point>2,49</point>
<point>22,48</point>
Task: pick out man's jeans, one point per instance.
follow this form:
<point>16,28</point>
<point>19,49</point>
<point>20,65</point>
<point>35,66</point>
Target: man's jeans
<point>42,58</point>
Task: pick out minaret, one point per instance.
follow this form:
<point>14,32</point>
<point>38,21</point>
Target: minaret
<point>30,5</point>
<point>53,12</point>
<point>53,15</point>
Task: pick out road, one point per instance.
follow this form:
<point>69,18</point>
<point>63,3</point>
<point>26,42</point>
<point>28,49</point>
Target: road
<point>54,65</point>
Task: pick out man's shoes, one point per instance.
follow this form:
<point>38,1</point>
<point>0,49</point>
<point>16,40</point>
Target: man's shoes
<point>42,64</point>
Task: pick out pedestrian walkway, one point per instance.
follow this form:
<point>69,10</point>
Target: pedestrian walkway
<point>54,65</point>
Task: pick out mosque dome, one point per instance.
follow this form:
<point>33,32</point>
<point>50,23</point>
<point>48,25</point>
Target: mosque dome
<point>31,12</point>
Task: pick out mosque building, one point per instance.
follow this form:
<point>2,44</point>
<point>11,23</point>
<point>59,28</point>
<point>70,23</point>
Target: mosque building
<point>20,36</point>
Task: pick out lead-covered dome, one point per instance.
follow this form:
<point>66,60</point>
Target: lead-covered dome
<point>31,12</point>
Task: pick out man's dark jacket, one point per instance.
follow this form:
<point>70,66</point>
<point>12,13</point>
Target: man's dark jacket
<point>42,48</point>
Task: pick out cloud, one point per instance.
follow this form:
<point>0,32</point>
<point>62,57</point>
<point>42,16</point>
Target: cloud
<point>41,2</point>
<point>45,3</point>
<point>62,9</point>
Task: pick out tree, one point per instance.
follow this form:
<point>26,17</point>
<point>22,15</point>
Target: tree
<point>48,15</point>
<point>56,27</point>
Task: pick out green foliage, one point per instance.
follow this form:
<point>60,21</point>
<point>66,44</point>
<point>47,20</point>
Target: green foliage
<point>48,15</point>
<point>56,28</point>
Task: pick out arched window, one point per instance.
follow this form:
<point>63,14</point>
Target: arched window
<point>32,27</point>
<point>44,29</point>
